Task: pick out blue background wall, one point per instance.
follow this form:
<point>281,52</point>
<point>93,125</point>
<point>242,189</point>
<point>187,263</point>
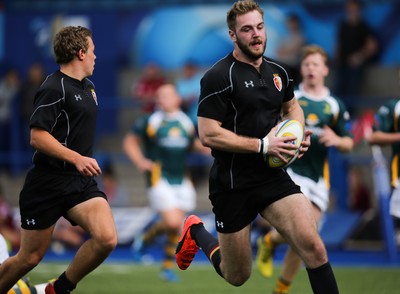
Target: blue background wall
<point>172,34</point>
<point>131,36</point>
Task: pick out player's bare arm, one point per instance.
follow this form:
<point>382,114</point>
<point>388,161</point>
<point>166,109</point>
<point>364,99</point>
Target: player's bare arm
<point>382,138</point>
<point>292,110</point>
<point>131,145</point>
<point>44,142</point>
<point>330,139</point>
<point>216,137</point>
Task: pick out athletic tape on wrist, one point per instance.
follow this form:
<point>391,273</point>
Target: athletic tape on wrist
<point>265,145</point>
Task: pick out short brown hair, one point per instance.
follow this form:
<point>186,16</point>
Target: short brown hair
<point>313,49</point>
<point>240,8</point>
<point>68,41</point>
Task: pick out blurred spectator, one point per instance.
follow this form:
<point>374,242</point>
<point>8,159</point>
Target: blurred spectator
<point>188,86</point>
<point>289,49</point>
<point>35,77</point>
<point>117,194</point>
<point>9,87</point>
<point>386,132</point>
<point>360,197</point>
<point>356,46</point>
<point>8,228</point>
<point>144,90</point>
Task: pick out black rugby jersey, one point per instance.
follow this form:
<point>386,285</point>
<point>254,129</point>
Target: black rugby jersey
<point>67,109</point>
<point>248,103</point>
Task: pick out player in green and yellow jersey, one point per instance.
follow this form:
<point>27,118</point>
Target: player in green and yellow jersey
<point>386,131</point>
<point>158,145</point>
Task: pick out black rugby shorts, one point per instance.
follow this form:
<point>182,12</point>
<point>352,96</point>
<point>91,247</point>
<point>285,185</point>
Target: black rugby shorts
<point>47,195</point>
<point>235,209</point>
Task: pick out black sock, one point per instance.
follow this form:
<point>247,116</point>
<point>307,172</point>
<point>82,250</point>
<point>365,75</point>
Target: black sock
<point>208,243</point>
<point>62,285</point>
<point>323,280</point>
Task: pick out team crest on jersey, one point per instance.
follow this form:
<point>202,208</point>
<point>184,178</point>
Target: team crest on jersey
<point>278,82</point>
<point>94,95</point>
<point>174,132</point>
<point>327,109</point>
<point>312,119</point>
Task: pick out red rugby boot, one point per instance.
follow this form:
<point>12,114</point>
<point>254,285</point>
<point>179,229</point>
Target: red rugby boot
<point>187,248</point>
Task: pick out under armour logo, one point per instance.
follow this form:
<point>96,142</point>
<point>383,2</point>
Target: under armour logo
<point>220,224</point>
<point>30,222</point>
<point>78,97</point>
<point>248,84</point>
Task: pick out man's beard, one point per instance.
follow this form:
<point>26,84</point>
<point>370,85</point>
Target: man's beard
<point>247,51</point>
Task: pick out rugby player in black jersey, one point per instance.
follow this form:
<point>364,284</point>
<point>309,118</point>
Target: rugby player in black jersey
<point>243,97</point>
<point>61,182</point>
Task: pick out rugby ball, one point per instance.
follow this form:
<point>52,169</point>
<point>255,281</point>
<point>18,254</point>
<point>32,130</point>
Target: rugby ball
<point>287,128</point>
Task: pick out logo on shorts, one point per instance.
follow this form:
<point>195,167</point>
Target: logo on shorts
<point>30,222</point>
<point>78,97</point>
<point>220,224</point>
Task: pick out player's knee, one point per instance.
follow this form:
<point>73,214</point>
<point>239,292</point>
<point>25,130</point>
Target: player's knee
<point>320,254</point>
<point>107,240</point>
<point>316,253</point>
<point>30,261</point>
<point>237,279</point>
<point>111,242</point>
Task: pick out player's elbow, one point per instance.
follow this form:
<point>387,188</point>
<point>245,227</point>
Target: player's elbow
<point>34,142</point>
<point>126,144</point>
<point>206,141</point>
<point>371,139</point>
<point>347,145</point>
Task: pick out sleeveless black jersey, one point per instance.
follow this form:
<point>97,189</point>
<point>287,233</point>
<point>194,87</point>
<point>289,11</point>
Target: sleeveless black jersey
<point>248,103</point>
<point>67,109</point>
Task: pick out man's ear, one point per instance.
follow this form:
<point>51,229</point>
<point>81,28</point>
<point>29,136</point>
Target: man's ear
<point>81,54</point>
<point>232,35</point>
<point>326,71</point>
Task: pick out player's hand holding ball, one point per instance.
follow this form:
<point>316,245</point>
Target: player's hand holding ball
<point>286,142</point>
<point>305,144</point>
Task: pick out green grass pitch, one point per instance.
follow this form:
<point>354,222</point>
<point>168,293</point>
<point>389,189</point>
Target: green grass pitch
<point>199,279</point>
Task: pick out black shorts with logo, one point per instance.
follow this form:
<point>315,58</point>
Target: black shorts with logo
<point>47,195</point>
<point>235,209</point>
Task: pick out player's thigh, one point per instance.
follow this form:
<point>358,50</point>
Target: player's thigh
<point>395,202</point>
<point>95,217</point>
<point>173,218</point>
<point>235,250</point>
<point>162,196</point>
<point>35,243</point>
<point>186,194</point>
<point>293,217</point>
